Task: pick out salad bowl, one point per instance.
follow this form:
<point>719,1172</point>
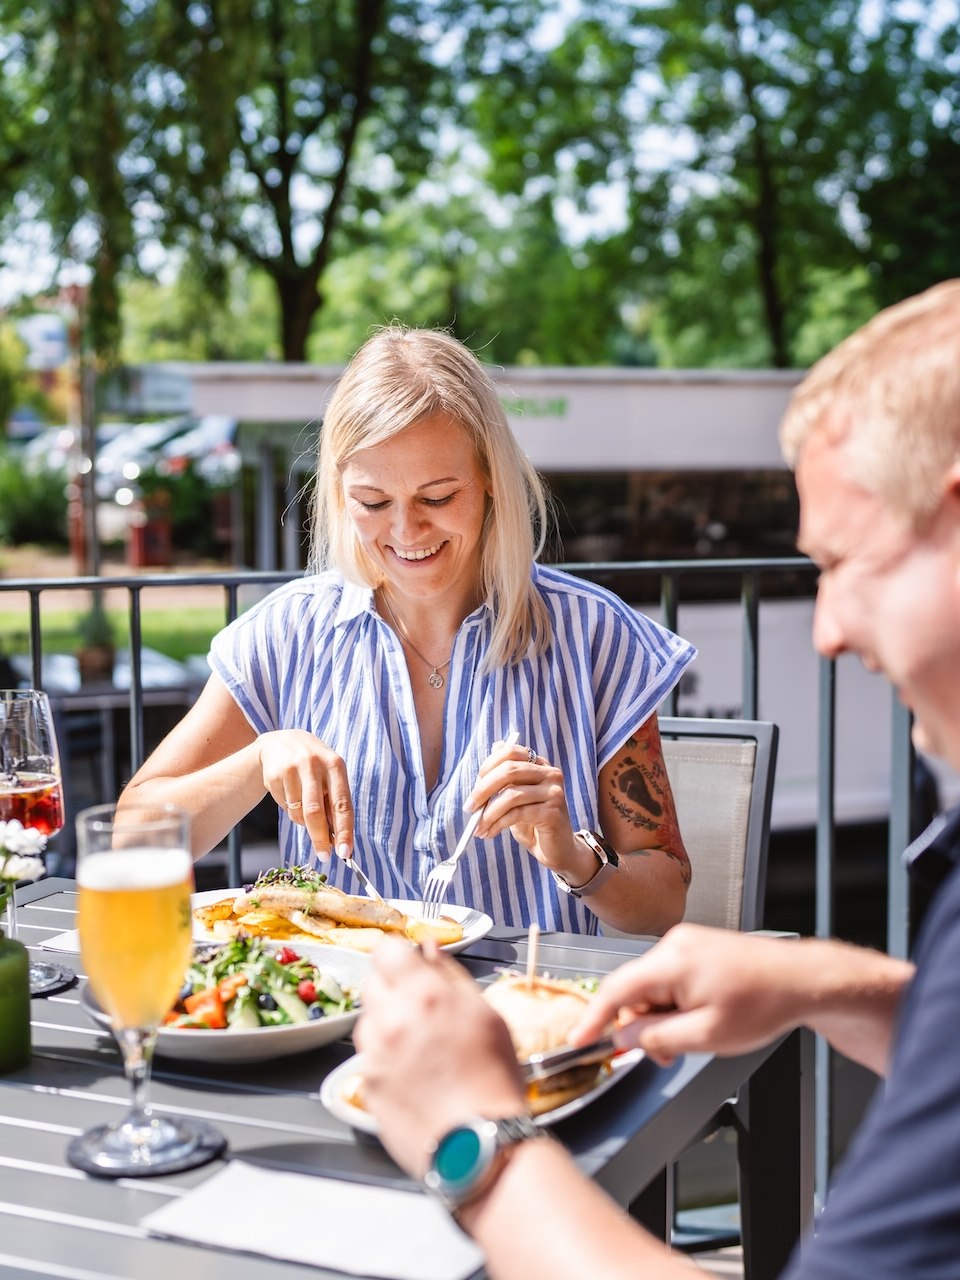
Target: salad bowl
<point>242,1044</point>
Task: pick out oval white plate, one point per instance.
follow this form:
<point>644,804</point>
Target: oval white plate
<point>339,1082</point>
<point>475,924</point>
<point>261,1044</point>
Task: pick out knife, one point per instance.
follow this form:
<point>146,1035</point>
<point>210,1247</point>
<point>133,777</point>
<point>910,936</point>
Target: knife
<point>540,1066</point>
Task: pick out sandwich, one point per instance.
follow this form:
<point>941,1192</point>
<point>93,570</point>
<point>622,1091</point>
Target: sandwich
<point>540,1015</point>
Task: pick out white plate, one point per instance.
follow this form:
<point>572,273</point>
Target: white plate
<point>339,1082</point>
<point>260,1044</point>
<point>475,924</point>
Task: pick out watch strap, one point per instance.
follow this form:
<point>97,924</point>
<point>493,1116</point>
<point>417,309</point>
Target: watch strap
<point>495,1139</point>
<point>608,862</point>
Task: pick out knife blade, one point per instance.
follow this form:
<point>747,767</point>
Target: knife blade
<point>540,1066</point>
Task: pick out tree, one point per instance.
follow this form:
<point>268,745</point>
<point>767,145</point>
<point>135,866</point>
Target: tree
<point>283,135</point>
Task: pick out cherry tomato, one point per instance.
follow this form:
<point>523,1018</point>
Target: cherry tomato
<point>306,991</point>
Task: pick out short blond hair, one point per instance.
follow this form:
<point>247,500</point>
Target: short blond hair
<point>399,377</point>
<point>890,394</point>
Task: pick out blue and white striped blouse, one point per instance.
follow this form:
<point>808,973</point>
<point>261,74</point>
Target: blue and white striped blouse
<point>316,655</point>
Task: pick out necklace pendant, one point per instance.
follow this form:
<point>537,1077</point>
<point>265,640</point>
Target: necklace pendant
<point>435,679</point>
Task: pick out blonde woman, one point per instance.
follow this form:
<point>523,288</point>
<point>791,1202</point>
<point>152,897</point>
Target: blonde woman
<point>373,697</point>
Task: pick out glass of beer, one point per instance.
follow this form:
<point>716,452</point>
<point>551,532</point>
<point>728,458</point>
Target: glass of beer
<point>31,791</point>
<point>135,876</point>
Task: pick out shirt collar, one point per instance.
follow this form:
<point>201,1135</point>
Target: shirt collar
<point>936,851</point>
<point>354,600</point>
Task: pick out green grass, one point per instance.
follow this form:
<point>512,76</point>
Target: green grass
<point>176,632</point>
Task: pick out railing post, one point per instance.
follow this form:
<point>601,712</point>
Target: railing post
<point>900,830</point>
<point>668,603</point>
<point>824,895</point>
<point>749,598</point>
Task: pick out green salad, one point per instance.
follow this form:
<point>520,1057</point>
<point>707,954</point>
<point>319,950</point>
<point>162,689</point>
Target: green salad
<point>245,983</point>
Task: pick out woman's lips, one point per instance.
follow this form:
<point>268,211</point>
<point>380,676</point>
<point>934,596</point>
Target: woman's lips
<point>419,553</point>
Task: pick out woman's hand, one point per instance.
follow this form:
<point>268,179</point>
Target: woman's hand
<point>309,781</point>
<point>524,794</point>
<point>434,1052</point>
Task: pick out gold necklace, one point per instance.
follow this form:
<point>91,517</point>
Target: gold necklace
<point>434,679</point>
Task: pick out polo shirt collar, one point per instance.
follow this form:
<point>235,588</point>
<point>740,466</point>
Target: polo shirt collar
<point>936,851</point>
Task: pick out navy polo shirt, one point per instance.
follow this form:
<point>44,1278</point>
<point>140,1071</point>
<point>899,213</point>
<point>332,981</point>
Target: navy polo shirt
<point>894,1207</point>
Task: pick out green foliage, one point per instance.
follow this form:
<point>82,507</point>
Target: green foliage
<point>686,182</point>
<point>12,370</point>
<point>94,629</point>
<point>181,320</point>
<point>33,507</point>
<point>186,499</point>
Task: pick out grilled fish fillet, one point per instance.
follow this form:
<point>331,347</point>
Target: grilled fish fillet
<point>331,903</point>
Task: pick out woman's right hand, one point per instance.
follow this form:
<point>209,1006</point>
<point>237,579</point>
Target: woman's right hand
<point>309,781</point>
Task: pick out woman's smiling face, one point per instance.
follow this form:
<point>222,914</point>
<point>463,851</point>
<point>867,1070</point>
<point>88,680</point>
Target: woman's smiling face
<point>418,502</point>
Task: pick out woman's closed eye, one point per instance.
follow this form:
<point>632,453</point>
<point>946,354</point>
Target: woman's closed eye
<point>385,502</point>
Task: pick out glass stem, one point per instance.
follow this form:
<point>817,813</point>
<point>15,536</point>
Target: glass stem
<point>136,1045</point>
<point>11,925</point>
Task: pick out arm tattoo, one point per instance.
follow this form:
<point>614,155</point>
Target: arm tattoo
<point>640,795</point>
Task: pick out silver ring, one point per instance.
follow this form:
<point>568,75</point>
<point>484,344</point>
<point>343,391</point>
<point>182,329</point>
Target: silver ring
<point>531,755</point>
<point>294,804</point>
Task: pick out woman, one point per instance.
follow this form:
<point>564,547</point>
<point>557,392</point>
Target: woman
<point>373,699</point>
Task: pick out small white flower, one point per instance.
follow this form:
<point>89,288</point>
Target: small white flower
<point>16,838</point>
<point>17,868</point>
<point>19,850</point>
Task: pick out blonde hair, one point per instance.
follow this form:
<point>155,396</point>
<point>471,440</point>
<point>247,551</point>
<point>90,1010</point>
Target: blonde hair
<point>890,396</point>
<point>399,377</point>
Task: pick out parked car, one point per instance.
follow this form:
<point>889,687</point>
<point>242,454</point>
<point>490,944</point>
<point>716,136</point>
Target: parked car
<point>121,461</point>
<point>210,444</point>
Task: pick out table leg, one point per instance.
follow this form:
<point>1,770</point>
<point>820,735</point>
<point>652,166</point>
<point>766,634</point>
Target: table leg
<point>653,1207</point>
<point>776,1156</point>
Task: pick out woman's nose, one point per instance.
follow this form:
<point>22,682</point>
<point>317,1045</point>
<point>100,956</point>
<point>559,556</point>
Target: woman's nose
<point>407,521</point>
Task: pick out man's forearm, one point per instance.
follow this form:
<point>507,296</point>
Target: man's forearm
<point>544,1218</point>
<point>852,998</point>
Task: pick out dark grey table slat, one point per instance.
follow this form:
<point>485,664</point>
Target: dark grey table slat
<point>271,1114</point>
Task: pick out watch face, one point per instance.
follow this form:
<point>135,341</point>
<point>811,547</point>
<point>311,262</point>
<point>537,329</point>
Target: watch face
<point>456,1157</point>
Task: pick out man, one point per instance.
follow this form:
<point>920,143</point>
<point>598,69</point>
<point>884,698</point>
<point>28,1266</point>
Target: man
<point>874,435</point>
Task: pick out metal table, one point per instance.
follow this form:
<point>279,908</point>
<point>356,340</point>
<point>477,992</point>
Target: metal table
<point>55,1221</point>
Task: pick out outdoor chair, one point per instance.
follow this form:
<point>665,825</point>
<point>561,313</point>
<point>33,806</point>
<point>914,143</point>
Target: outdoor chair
<point>722,774</point>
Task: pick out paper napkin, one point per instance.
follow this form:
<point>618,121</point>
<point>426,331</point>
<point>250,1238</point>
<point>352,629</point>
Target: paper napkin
<point>69,941</point>
<point>345,1226</point>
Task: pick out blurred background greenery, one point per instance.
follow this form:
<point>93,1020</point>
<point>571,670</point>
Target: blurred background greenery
<point>699,183</point>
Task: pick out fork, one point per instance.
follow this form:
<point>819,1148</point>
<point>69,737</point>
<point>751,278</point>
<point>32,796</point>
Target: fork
<point>438,881</point>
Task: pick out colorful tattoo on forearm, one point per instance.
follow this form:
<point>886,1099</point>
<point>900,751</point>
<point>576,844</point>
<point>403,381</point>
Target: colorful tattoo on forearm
<point>641,795</point>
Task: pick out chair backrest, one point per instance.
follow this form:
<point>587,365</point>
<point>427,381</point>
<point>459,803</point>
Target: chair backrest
<point>722,773</point>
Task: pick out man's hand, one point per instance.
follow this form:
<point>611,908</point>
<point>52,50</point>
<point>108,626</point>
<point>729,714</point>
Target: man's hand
<point>434,1052</point>
<point>700,990</point>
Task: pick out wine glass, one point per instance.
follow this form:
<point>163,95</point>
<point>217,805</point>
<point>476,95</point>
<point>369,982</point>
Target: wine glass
<point>135,875</point>
<point>31,791</point>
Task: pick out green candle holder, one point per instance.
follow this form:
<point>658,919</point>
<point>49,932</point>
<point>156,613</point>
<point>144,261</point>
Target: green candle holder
<point>14,999</point>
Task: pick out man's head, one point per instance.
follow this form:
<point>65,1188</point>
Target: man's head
<point>874,433</point>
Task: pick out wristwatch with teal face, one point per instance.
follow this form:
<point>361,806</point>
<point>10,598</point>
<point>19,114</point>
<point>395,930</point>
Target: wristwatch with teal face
<point>467,1159</point>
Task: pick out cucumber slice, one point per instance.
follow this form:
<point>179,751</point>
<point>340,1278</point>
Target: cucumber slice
<point>292,1005</point>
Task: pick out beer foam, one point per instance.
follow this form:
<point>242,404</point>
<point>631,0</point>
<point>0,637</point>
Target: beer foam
<point>139,867</point>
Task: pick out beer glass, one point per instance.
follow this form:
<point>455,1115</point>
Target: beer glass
<point>32,792</point>
<point>135,876</point>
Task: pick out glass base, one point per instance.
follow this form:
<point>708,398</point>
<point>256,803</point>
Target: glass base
<point>47,978</point>
<point>145,1146</point>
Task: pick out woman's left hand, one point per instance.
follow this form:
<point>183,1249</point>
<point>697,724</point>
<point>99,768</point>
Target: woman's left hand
<point>524,793</point>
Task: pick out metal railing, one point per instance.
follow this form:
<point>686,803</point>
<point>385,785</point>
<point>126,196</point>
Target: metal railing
<point>662,582</point>
<point>665,583</point>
